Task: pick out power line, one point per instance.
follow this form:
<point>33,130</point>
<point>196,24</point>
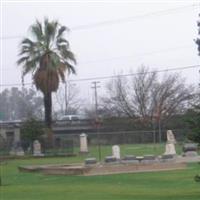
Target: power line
<point>134,74</point>
<point>15,84</point>
<point>117,21</point>
<point>130,19</point>
<point>168,50</point>
<point>122,75</point>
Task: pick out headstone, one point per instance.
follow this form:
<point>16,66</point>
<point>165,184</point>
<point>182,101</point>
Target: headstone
<point>130,159</point>
<point>140,158</point>
<point>83,143</point>
<point>190,150</point>
<point>149,159</point>
<point>190,154</point>
<point>37,148</point>
<point>90,161</point>
<point>170,145</point>
<point>167,158</point>
<point>190,147</point>
<point>116,151</point>
<point>110,159</point>
<point>170,137</point>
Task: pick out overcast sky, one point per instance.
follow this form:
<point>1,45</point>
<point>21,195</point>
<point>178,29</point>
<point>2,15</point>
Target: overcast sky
<point>109,37</point>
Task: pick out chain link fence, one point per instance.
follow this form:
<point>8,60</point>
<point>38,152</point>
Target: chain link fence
<point>99,144</point>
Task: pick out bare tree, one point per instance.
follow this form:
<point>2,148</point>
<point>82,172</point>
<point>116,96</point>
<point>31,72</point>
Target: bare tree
<point>172,96</point>
<point>68,99</point>
<point>131,97</point>
<point>143,89</point>
<point>117,101</point>
<point>147,97</point>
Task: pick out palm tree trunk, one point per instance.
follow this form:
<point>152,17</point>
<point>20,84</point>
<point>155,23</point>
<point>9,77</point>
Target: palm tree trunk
<point>48,118</point>
<point>48,109</point>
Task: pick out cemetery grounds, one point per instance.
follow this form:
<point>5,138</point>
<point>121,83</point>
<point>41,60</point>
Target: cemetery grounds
<point>173,185</point>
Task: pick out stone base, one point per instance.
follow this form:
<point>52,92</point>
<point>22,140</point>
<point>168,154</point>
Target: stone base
<point>168,158</point>
<point>190,154</point>
<point>110,159</point>
<point>149,159</point>
<point>129,157</point>
<point>190,147</point>
<point>170,149</point>
<point>90,161</point>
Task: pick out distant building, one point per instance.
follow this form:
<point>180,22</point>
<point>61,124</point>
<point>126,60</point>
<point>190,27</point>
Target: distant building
<point>9,132</point>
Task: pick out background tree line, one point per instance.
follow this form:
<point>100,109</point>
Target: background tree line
<point>146,98</point>
<point>21,104</point>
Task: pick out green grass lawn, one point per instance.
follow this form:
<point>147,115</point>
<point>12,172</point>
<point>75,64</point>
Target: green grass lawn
<point>171,185</point>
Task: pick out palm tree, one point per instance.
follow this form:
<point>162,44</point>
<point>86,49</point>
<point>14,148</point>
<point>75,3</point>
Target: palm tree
<point>46,54</point>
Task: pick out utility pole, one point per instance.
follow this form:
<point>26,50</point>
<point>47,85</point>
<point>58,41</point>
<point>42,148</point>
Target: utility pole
<point>159,130</point>
<point>95,86</point>
<point>97,123</point>
<point>66,98</point>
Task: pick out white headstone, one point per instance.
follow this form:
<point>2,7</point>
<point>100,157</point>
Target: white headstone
<point>37,148</point>
<point>170,145</point>
<point>116,151</point>
<point>170,149</point>
<point>170,137</point>
<point>83,143</point>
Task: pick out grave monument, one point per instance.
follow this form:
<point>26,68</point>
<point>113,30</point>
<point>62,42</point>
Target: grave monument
<point>116,151</point>
<point>37,148</point>
<point>170,145</point>
<point>83,143</point>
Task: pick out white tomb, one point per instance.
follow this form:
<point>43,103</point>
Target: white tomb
<point>37,148</point>
<point>83,143</point>
<point>116,151</point>
<point>170,145</point>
